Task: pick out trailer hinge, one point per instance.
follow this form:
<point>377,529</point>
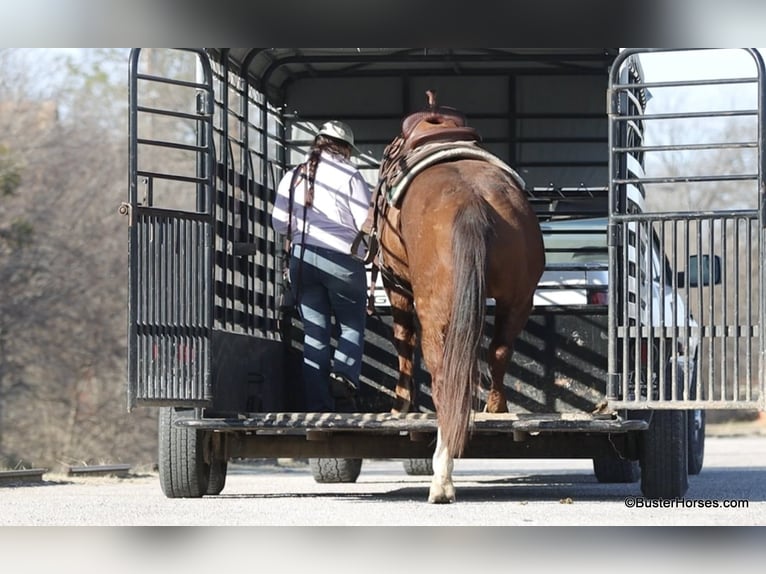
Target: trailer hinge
<point>126,209</point>
<point>204,105</point>
<point>614,235</point>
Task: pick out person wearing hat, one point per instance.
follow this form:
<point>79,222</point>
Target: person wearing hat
<point>329,204</point>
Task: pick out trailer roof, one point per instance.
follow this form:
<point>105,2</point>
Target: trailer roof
<point>271,69</point>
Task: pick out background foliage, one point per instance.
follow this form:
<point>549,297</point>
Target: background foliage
<point>63,262</point>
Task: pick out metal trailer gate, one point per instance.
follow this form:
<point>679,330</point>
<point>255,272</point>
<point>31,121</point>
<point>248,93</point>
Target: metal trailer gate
<point>206,336</point>
<point>710,260</point>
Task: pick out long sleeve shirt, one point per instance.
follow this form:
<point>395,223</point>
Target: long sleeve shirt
<point>341,200</point>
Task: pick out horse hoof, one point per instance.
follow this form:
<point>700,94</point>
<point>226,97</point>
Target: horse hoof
<point>495,405</point>
<point>440,499</point>
<point>401,407</point>
<point>444,495</point>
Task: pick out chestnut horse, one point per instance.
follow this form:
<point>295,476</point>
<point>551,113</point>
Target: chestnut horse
<point>463,232</point>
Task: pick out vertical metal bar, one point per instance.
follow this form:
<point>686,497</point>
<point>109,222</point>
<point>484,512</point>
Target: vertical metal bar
<point>663,320</point>
<point>625,315</point>
<point>711,315</point>
<point>686,336</point>
<point>177,333</point>
<point>762,226</point>
<point>724,310</point>
<point>197,272</point>
<point>616,252</point>
<point>165,284</point>
<point>134,249</point>
<point>648,328</point>
<point>183,343</point>
<point>749,306</point>
<point>639,367</point>
<point>676,296</point>
<point>701,322</point>
<point>142,305</point>
<point>188,321</point>
<point>152,294</point>
<point>223,222</point>
<point>170,337</point>
<point>737,326</point>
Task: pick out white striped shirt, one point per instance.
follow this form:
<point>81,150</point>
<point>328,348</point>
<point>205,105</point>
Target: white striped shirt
<point>341,199</point>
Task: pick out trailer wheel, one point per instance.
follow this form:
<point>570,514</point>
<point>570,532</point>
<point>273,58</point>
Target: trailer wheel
<point>696,424</point>
<point>613,469</point>
<point>664,456</point>
<point>182,467</point>
<point>418,466</point>
<point>335,470</point>
<point>217,478</point>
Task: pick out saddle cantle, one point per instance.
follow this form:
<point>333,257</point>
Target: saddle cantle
<point>436,124</point>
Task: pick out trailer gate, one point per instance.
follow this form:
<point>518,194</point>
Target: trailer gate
<point>708,259</point>
<point>170,238</point>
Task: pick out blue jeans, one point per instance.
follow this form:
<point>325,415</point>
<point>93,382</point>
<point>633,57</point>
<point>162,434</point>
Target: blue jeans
<point>332,285</point>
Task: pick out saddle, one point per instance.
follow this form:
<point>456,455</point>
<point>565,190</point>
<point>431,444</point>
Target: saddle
<point>435,135</point>
<point>438,124</point>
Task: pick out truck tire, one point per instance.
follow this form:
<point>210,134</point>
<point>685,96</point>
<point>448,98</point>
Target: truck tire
<point>182,467</point>
<point>664,456</point>
<point>613,470</point>
<point>335,470</point>
<point>418,466</point>
<point>696,424</point>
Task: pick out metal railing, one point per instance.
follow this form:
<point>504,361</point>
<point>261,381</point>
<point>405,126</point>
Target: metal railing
<point>686,314</point>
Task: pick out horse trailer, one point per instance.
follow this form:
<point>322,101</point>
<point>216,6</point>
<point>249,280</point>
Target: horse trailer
<point>647,315</point>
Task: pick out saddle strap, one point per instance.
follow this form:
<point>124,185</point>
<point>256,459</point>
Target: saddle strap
<point>370,242</point>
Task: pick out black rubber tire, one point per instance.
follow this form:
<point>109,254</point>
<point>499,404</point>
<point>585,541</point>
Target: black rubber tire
<point>182,468</point>
<point>335,470</point>
<point>217,478</point>
<point>664,456</point>
<point>696,456</point>
<point>613,470</point>
<point>418,466</point>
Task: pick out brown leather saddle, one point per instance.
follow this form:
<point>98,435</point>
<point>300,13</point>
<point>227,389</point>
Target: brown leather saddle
<point>424,133</point>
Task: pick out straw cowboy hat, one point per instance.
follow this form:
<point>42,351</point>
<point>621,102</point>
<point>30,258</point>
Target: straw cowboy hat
<point>339,131</point>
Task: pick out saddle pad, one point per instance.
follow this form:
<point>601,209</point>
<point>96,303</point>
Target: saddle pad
<point>431,154</point>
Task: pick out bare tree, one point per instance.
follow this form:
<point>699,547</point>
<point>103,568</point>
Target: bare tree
<point>63,269</point>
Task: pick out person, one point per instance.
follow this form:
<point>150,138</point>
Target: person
<point>329,206</point>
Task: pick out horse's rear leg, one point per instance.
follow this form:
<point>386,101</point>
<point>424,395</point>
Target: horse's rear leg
<point>508,325</point>
<point>442,488</point>
<point>404,341</point>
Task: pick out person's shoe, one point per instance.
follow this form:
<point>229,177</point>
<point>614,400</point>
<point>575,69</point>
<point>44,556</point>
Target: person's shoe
<point>344,392</point>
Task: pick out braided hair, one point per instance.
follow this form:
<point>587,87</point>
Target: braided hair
<point>322,143</point>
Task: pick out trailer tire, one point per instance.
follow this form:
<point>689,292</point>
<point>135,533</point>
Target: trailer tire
<point>217,478</point>
<point>418,466</point>
<point>664,456</point>
<point>613,470</point>
<point>696,424</point>
<point>335,470</point>
<point>181,461</point>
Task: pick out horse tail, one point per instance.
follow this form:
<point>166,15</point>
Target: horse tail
<point>460,367</point>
